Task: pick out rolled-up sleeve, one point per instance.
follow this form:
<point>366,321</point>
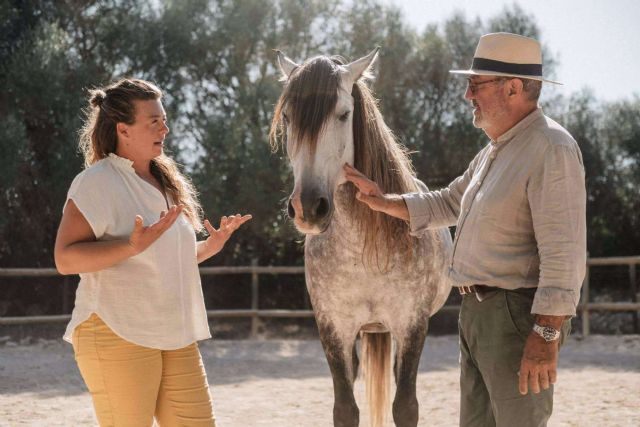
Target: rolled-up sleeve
<point>438,209</point>
<point>557,197</point>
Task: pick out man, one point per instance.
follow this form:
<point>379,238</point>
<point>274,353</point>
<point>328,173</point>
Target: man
<point>520,247</point>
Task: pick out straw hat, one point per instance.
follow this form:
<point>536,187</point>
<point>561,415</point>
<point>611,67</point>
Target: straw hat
<point>509,55</point>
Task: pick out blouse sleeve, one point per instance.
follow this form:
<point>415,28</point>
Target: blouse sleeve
<point>90,195</point>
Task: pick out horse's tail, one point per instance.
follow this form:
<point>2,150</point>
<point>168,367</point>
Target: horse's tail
<point>376,370</point>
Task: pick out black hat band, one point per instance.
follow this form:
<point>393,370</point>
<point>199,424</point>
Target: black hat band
<point>506,67</point>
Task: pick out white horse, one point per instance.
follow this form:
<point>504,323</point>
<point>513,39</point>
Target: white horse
<point>365,274</point>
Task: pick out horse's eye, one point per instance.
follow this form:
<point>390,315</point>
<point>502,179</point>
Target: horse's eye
<point>344,117</point>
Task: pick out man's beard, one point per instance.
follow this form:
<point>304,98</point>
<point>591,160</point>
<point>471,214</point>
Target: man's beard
<point>478,118</point>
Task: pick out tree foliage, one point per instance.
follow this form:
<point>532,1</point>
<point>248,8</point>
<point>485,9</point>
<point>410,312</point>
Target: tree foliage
<point>215,61</point>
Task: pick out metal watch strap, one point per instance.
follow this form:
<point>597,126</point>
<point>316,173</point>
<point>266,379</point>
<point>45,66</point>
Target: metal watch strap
<point>546,332</point>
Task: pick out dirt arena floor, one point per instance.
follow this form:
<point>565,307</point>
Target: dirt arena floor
<point>286,383</point>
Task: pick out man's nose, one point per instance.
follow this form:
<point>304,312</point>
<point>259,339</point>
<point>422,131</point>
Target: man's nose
<point>468,95</point>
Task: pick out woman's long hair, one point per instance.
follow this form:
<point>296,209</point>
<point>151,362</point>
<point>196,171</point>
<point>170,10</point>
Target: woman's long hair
<point>114,104</point>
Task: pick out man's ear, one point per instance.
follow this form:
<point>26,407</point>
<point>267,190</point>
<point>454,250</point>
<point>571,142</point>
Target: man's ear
<point>515,87</point>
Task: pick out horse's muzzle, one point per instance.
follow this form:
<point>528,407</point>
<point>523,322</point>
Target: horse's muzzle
<point>311,213</point>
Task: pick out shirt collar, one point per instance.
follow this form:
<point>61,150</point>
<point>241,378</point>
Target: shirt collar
<point>121,162</point>
<point>518,127</point>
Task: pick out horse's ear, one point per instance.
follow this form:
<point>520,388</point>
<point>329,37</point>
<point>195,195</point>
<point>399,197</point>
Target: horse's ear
<point>286,64</point>
<point>360,66</point>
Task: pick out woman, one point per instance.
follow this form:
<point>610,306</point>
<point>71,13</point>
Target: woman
<point>128,228</point>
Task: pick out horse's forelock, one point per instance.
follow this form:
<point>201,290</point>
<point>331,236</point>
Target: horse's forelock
<point>310,97</point>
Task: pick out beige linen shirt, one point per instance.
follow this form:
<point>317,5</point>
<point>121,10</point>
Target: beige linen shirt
<point>520,215</point>
<point>153,299</point>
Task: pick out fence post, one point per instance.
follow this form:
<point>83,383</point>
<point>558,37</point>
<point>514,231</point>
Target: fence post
<point>254,299</point>
<point>634,296</point>
<point>585,302</point>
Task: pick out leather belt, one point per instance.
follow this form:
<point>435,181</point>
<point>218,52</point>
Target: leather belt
<point>480,291</point>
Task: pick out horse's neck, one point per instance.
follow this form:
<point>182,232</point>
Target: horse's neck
<point>342,204</point>
<point>342,225</point>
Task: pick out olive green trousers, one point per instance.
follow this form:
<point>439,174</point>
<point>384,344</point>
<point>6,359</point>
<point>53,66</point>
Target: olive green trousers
<point>492,338</point>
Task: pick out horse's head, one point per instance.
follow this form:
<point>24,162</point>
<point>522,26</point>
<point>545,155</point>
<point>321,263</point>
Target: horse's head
<point>316,111</point>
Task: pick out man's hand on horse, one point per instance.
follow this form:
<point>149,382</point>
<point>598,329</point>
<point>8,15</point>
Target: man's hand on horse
<point>370,193</point>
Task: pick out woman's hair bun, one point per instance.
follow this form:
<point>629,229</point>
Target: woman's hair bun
<point>97,97</point>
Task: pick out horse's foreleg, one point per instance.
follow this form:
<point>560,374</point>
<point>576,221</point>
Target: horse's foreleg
<point>342,364</point>
<point>405,403</point>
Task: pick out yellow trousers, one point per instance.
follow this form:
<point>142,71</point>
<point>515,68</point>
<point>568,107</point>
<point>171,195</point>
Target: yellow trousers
<point>131,384</point>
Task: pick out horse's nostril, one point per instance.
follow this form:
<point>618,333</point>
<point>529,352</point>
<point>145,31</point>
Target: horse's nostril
<point>290,210</point>
<point>322,207</point>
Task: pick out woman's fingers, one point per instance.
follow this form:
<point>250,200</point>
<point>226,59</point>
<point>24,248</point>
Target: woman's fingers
<point>166,220</point>
<point>228,224</point>
<point>209,227</point>
<point>138,227</point>
<point>242,219</point>
<point>142,237</point>
<point>171,217</point>
<point>237,221</point>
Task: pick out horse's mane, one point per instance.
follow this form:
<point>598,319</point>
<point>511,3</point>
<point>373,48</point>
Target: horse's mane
<point>311,91</point>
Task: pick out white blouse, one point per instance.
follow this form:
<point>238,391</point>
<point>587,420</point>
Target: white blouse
<point>153,299</point>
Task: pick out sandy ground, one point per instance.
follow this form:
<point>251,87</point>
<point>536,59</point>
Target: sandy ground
<point>287,383</point>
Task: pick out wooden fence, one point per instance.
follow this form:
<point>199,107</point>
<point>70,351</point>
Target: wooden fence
<point>585,307</point>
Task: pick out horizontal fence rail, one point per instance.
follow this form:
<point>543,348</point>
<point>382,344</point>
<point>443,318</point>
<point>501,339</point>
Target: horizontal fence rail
<point>256,314</point>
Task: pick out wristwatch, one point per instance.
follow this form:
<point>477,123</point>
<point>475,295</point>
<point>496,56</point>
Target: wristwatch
<point>547,332</point>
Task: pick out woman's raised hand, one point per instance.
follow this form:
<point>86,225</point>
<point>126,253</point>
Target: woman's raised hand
<point>217,238</point>
<point>142,237</point>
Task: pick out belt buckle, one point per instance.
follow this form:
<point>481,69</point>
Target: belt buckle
<point>464,290</point>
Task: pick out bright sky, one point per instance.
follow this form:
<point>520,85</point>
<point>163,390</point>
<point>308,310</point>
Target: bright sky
<point>597,42</point>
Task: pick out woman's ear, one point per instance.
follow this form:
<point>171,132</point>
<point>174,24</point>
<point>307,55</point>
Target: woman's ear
<point>122,129</point>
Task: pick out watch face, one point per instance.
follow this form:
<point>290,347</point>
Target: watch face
<point>547,332</point>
